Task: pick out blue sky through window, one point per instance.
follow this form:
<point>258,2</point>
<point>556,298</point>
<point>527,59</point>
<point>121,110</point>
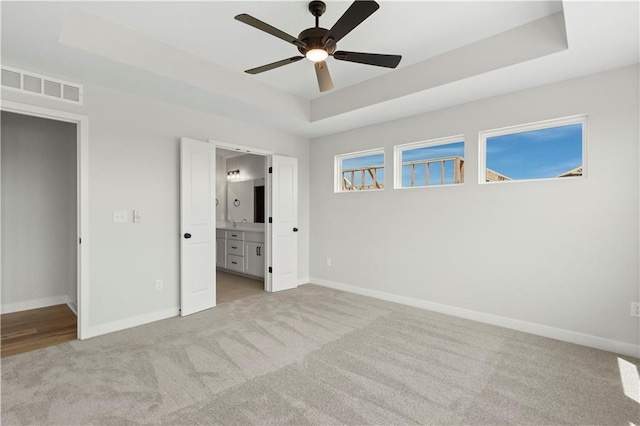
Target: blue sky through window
<point>365,161</point>
<point>536,154</point>
<point>435,169</point>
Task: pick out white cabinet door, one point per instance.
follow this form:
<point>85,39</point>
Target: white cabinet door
<point>254,259</point>
<point>221,255</point>
<point>197,226</point>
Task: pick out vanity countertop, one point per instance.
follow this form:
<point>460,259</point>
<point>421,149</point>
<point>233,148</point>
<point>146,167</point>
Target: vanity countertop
<point>241,226</point>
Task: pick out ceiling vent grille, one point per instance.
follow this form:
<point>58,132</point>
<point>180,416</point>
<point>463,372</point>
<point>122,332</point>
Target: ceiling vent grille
<point>41,85</point>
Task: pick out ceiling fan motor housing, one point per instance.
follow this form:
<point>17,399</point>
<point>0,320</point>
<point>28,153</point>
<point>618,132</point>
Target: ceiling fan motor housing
<point>312,37</point>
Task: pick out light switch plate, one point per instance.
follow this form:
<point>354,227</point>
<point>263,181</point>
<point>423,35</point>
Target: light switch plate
<point>136,216</point>
<point>120,216</point>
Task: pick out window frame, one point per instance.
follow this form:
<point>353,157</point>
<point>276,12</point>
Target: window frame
<point>399,149</point>
<point>521,128</point>
<point>337,168</point>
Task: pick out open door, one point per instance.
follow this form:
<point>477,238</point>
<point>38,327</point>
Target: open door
<point>284,214</point>
<point>197,226</point>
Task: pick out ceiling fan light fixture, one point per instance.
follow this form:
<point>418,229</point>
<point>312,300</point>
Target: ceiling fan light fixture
<point>318,43</point>
<point>317,55</point>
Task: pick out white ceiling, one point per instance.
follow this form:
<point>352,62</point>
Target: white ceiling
<point>415,30</point>
<point>122,44</point>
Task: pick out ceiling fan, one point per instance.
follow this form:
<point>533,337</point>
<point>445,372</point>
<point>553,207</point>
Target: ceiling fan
<point>317,44</point>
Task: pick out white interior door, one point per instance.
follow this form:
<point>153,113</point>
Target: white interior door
<point>197,226</point>
<point>284,213</point>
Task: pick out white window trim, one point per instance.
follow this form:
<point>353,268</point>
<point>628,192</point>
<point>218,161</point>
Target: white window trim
<point>520,128</point>
<point>337,168</point>
<point>397,159</point>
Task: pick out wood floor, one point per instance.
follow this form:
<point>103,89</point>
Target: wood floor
<point>231,287</point>
<point>36,328</point>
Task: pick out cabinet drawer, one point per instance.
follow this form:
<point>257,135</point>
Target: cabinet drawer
<point>235,263</point>
<point>257,237</point>
<point>235,247</point>
<point>235,235</point>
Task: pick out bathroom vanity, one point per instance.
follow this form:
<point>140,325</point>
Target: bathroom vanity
<point>241,248</point>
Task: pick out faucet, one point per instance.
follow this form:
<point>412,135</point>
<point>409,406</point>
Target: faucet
<point>234,222</point>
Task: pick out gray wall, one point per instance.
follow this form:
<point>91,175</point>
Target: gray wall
<point>134,164</point>
<point>221,188</point>
<point>39,209</point>
<point>251,166</point>
<point>561,254</point>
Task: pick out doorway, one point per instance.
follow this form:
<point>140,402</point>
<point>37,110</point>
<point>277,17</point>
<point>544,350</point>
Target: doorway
<point>76,225</point>
<point>39,232</point>
<point>240,224</point>
<point>202,236</point>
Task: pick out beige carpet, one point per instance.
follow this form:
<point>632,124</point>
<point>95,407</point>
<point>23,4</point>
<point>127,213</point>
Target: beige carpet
<point>316,356</point>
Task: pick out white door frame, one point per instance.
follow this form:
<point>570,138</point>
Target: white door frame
<point>267,196</point>
<point>82,182</point>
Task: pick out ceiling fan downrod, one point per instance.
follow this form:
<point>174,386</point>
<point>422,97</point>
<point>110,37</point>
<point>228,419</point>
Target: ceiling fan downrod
<point>317,8</point>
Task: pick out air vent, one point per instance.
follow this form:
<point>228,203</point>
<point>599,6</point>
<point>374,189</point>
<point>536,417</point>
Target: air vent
<point>11,79</point>
<point>41,85</point>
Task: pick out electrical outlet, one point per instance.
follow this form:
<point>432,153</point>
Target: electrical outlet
<point>328,261</point>
<point>159,284</point>
<point>635,309</point>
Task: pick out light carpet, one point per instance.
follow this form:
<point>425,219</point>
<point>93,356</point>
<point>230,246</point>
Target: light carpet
<point>316,356</point>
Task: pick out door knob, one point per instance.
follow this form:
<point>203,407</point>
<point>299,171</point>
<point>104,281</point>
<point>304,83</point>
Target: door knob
<point>187,235</point>
<point>295,229</point>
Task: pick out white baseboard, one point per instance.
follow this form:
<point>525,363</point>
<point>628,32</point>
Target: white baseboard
<point>33,304</point>
<point>72,305</point>
<point>110,327</point>
<point>514,324</point>
<point>304,280</point>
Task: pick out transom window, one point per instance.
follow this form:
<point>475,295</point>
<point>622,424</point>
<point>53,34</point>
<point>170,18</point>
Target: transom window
<point>430,163</point>
<point>360,171</point>
<point>545,150</point>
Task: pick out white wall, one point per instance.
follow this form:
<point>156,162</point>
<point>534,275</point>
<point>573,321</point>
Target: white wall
<point>251,166</point>
<point>561,254</point>
<point>221,188</point>
<point>39,212</point>
<point>134,164</point>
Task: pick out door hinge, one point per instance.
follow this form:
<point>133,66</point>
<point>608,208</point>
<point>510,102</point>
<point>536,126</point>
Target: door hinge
<point>270,169</point>
<point>270,270</point>
<point>270,220</point>
<point>79,240</point>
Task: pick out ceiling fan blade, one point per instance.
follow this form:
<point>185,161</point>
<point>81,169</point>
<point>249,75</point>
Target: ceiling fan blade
<point>324,78</point>
<point>388,61</point>
<point>354,16</point>
<point>273,65</point>
<point>263,26</point>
